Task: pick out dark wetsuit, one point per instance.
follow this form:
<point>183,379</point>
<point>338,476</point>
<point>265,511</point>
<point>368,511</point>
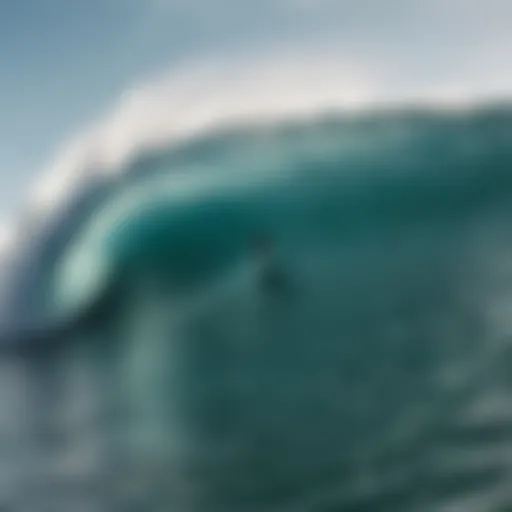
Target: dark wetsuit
<point>274,280</point>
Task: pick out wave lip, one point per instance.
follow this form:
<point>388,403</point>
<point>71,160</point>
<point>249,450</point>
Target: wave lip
<point>207,96</point>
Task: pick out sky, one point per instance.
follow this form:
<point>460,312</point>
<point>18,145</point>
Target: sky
<point>67,65</point>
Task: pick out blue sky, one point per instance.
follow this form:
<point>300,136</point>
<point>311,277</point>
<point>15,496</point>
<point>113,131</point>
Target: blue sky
<point>62,61</point>
<point>65,62</point>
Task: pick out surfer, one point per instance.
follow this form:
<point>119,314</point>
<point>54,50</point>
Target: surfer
<point>271,276</point>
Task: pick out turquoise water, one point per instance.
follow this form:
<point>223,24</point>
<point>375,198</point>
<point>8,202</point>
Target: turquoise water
<point>379,382</point>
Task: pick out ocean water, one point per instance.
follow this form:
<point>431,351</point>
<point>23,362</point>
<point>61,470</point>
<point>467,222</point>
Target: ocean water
<point>379,381</point>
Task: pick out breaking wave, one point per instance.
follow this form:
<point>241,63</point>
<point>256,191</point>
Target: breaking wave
<point>368,386</point>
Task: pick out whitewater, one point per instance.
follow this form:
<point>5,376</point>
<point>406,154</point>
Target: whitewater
<point>382,382</point>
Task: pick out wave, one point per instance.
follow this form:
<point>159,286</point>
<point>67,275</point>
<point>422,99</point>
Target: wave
<point>363,386</point>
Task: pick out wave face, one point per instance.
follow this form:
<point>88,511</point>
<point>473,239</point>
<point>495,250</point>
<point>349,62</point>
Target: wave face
<point>379,381</point>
